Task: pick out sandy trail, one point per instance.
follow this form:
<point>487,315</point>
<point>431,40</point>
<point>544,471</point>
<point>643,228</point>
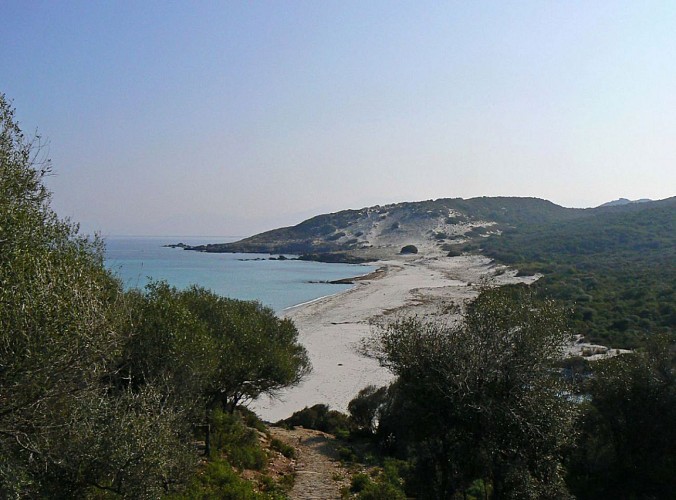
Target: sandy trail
<point>319,473</point>
<point>332,328</point>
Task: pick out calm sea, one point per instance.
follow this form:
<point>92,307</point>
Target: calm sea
<point>278,284</point>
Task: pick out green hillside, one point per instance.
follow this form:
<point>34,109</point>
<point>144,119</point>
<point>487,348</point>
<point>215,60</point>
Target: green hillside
<point>616,266</point>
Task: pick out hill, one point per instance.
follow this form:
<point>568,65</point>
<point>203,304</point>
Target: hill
<point>381,231</point>
<point>614,265</point>
<point>623,201</point>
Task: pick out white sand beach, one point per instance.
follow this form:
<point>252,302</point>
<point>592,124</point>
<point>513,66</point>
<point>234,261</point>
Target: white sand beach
<point>331,328</point>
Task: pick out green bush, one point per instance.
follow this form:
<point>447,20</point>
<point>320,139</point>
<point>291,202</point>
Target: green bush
<point>359,482</point>
<point>239,443</point>
<point>387,486</point>
<point>320,418</point>
<point>283,448</point>
<point>381,491</point>
<point>364,408</point>
<point>219,481</point>
<point>252,420</point>
<point>347,454</point>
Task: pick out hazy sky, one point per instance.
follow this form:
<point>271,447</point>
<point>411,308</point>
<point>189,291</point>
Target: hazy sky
<point>228,118</point>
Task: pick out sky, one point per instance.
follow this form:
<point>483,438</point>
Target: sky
<point>233,117</point>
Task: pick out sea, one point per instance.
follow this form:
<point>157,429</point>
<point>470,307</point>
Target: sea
<point>279,284</point>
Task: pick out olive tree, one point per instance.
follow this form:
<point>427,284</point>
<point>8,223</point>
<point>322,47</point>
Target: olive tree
<point>59,343</point>
<point>208,351</point>
<point>258,352</point>
<point>480,400</point>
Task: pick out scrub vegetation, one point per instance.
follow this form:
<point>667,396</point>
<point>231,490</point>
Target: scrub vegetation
<point>487,409</point>
<point>616,269</point>
<point>106,393</point>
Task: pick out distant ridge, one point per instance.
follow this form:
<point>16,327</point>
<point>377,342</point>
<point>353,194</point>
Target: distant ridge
<point>624,201</point>
<point>433,226</point>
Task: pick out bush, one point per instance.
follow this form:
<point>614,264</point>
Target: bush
<point>365,407</point>
<point>238,442</point>
<point>387,485</point>
<point>285,449</point>
<point>347,454</point>
<point>335,236</point>
<point>359,482</point>
<point>381,491</point>
<point>218,480</point>
<point>320,418</point>
<point>252,420</point>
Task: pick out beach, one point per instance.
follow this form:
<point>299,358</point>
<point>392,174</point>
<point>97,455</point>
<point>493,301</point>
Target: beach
<point>332,328</point>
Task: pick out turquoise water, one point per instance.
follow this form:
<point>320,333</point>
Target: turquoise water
<point>278,284</point>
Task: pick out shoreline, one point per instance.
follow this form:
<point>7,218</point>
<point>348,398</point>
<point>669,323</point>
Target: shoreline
<point>332,327</point>
<point>354,281</point>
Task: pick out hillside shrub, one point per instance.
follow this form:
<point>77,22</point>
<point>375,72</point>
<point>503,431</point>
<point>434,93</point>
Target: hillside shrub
<point>321,418</point>
<point>236,441</point>
<point>365,408</point>
<point>285,449</point>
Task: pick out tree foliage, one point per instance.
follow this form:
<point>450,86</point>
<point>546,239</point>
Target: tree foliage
<point>616,267</point>
<point>627,448</point>
<point>62,432</point>
<point>208,351</point>
<point>366,406</point>
<point>479,400</point>
<point>99,388</point>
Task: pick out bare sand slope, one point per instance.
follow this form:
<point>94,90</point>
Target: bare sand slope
<point>332,328</point>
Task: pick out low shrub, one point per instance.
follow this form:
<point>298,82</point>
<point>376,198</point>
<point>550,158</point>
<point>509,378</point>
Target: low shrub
<point>359,482</point>
<point>381,491</point>
<point>229,435</point>
<point>347,454</point>
<point>219,480</point>
<point>285,449</point>
<point>386,485</point>
<point>251,419</point>
<point>320,418</point>
<point>409,249</point>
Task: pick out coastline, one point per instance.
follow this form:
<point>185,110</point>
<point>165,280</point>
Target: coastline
<point>344,281</point>
<point>332,327</point>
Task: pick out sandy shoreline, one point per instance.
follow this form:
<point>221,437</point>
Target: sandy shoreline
<point>332,327</point>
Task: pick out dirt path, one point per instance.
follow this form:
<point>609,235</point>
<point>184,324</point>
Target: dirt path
<point>319,474</point>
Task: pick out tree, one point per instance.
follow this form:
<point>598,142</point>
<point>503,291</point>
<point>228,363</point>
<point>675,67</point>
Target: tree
<point>480,400</point>
<point>167,346</point>
<point>100,388</point>
<point>208,351</point>
<point>365,408</point>
<point>63,431</point>
<point>53,299</point>
<point>627,447</point>
<point>262,351</point>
